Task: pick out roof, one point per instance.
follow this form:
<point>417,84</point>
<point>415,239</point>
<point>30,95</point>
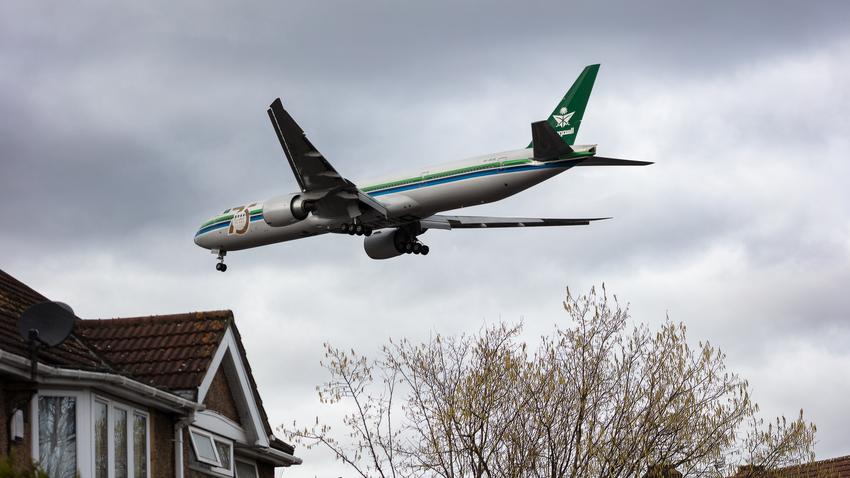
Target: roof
<point>832,468</point>
<point>15,298</point>
<point>172,352</point>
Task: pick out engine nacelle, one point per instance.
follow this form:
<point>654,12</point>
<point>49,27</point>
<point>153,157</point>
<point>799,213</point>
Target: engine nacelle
<point>285,210</point>
<point>384,244</point>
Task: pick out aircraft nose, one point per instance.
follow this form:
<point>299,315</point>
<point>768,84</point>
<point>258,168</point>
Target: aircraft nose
<point>200,240</point>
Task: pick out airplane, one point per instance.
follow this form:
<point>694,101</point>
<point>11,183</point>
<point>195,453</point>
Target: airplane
<point>393,212</point>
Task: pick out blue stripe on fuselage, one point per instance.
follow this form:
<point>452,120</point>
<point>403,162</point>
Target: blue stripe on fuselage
<point>476,174</point>
<point>225,223</point>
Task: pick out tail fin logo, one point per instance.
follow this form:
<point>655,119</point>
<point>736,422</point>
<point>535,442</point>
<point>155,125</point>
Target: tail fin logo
<point>563,120</point>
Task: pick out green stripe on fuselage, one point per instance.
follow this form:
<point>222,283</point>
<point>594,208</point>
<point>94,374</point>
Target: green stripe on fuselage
<point>227,217</point>
<point>468,169</point>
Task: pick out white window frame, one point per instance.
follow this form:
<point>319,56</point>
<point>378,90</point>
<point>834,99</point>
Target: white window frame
<point>113,408</point>
<point>216,467</point>
<point>147,416</point>
<point>252,464</point>
<point>201,459</point>
<point>83,420</point>
<point>221,469</point>
<point>131,411</point>
<point>109,437</point>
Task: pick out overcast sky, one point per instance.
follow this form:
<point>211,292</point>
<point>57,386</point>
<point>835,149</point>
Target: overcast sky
<point>125,127</point>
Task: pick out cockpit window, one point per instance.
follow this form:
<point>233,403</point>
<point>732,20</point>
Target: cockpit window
<point>226,211</point>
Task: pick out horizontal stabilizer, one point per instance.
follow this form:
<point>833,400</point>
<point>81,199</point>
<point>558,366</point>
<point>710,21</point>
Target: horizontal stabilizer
<point>602,161</point>
<point>546,142</point>
<point>477,222</point>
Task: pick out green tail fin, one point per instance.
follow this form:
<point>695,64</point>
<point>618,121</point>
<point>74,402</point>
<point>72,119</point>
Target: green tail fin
<point>567,116</point>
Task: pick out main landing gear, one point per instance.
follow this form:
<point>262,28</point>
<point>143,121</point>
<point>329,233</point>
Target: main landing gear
<point>356,229</point>
<point>415,247</point>
<point>221,266</point>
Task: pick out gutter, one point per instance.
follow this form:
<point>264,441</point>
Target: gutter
<point>281,455</point>
<point>122,383</point>
<point>277,457</point>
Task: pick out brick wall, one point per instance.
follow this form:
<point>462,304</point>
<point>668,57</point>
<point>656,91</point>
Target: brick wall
<point>162,444</point>
<point>20,452</point>
<point>4,423</point>
<point>186,445</point>
<point>220,397</point>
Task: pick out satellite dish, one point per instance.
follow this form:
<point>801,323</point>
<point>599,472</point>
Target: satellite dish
<point>51,321</point>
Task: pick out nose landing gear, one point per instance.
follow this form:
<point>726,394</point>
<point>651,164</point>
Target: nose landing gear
<point>220,265</point>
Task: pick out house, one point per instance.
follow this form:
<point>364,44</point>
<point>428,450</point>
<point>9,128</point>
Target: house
<point>142,397</point>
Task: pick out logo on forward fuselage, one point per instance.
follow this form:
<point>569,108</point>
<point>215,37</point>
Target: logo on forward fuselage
<point>563,120</point>
<point>240,221</point>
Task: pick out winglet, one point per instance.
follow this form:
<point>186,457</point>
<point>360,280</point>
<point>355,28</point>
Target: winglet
<point>280,120</point>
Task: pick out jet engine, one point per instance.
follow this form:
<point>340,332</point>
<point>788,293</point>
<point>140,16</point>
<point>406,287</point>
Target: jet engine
<point>285,210</point>
<point>387,244</point>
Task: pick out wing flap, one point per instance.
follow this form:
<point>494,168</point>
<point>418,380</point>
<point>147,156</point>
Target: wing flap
<point>479,222</point>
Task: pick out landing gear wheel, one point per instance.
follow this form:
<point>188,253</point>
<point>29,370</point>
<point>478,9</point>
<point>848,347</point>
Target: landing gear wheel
<point>358,229</point>
<point>408,247</point>
<point>425,249</point>
<point>367,232</point>
<point>417,247</point>
<point>221,266</point>
<point>344,227</point>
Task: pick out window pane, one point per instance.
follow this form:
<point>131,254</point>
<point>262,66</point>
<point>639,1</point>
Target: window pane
<point>101,457</point>
<point>57,436</point>
<point>223,454</point>
<point>120,443</point>
<point>204,447</point>
<point>140,446</point>
<point>245,470</point>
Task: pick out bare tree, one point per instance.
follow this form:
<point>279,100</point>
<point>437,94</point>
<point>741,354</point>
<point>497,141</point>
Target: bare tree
<point>595,398</point>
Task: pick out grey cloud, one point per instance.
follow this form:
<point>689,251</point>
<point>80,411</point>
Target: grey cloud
<point>123,127</point>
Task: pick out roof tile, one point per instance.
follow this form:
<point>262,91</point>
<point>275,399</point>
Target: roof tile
<point>169,351</point>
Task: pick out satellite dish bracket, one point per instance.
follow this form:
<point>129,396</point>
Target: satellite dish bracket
<point>34,344</point>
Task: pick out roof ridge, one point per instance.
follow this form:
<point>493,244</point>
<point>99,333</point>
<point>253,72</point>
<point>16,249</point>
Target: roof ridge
<point>196,315</point>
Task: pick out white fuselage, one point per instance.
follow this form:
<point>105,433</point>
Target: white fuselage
<point>419,194</point>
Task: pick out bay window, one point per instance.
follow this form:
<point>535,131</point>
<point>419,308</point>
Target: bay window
<point>78,433</point>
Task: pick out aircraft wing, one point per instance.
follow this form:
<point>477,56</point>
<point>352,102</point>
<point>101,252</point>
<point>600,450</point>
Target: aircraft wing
<point>312,171</point>
<point>477,222</point>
